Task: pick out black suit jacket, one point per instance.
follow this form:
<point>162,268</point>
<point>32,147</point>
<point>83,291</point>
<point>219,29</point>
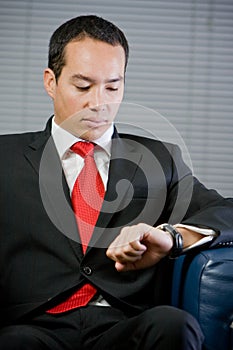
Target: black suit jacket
<point>41,260</point>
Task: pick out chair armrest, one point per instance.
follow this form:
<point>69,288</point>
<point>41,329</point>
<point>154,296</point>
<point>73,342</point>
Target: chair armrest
<point>203,286</point>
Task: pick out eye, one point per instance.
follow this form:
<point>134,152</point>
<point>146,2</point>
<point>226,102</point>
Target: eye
<point>83,88</point>
<point>112,88</point>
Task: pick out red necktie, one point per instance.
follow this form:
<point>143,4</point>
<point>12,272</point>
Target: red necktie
<point>87,197</point>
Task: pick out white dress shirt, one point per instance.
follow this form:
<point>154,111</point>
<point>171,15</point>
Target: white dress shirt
<point>72,163</point>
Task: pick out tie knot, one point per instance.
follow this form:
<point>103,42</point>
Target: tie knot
<point>83,148</point>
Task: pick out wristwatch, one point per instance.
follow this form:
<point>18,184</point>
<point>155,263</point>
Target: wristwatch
<point>177,247</point>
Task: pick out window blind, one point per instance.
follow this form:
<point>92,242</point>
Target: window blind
<point>180,71</point>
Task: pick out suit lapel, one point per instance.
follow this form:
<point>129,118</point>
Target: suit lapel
<point>123,166</point>
<point>34,150</point>
<point>54,191</point>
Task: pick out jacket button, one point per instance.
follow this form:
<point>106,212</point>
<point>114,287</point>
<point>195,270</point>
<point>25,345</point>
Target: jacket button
<point>87,270</point>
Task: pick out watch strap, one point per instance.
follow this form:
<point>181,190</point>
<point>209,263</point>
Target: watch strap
<point>177,248</point>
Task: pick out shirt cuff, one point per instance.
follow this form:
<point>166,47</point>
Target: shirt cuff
<point>208,234</point>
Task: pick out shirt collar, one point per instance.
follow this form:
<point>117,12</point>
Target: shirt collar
<point>64,140</point>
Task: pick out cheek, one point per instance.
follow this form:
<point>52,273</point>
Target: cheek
<point>121,93</point>
<point>65,109</point>
<point>116,97</point>
<point>72,104</point>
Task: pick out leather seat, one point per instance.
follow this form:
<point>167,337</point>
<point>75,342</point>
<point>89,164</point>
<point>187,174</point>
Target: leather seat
<point>203,286</point>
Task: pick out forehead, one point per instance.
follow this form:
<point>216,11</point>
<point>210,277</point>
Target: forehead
<point>97,55</point>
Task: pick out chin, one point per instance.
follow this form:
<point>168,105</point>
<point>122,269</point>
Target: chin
<point>93,134</point>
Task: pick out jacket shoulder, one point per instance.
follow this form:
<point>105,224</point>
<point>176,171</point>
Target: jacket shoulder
<point>20,137</point>
<point>18,141</point>
<point>151,143</point>
<point>25,138</point>
<point>14,146</point>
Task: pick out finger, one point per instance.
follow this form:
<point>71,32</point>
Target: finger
<point>134,248</point>
<point>138,246</point>
<point>134,253</point>
<point>123,257</point>
<point>124,267</point>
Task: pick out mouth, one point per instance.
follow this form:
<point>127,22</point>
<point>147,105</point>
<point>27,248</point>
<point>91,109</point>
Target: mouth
<point>94,123</point>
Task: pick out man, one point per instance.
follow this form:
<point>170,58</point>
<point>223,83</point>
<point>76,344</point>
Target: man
<point>72,282</point>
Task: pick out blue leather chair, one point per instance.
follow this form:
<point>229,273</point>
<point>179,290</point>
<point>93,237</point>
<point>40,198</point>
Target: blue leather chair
<point>203,286</point>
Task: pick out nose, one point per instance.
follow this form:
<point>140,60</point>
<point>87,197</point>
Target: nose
<point>96,100</point>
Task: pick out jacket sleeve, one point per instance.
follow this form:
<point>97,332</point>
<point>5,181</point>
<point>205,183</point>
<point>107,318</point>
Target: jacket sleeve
<point>191,203</point>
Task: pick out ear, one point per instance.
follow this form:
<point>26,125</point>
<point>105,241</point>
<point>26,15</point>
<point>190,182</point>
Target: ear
<point>49,82</point>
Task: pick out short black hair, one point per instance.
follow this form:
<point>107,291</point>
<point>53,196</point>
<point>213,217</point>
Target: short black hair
<point>78,28</point>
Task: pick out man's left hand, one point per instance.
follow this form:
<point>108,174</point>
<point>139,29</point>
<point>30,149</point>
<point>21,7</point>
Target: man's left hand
<point>139,246</point>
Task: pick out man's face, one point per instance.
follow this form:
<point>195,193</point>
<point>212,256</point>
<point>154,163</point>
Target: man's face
<point>88,92</point>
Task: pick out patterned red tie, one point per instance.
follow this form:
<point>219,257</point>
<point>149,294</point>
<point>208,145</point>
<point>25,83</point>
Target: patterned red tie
<point>87,197</point>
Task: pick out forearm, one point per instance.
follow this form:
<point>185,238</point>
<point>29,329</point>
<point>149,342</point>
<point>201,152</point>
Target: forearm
<point>189,237</point>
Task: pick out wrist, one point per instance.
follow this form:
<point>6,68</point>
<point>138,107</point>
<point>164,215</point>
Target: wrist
<point>189,237</point>
<point>177,239</point>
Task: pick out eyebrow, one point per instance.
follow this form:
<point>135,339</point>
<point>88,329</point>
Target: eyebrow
<point>90,80</point>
